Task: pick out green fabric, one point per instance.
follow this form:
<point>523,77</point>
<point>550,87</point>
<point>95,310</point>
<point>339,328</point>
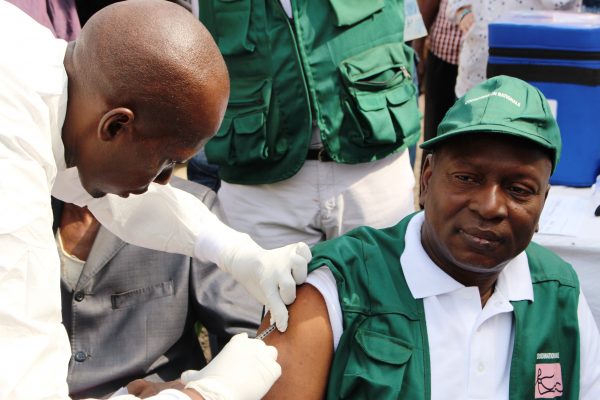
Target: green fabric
<point>502,105</point>
<point>341,64</point>
<point>384,353</point>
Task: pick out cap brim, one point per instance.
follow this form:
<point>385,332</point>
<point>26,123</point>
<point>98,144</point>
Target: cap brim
<point>431,143</point>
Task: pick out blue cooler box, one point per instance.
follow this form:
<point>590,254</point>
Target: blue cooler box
<point>559,53</point>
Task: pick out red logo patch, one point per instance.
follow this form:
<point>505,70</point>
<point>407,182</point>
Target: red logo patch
<point>548,381</point>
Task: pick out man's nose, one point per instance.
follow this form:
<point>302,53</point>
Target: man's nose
<point>490,202</point>
<point>164,176</point>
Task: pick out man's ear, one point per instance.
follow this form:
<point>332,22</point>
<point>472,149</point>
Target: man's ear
<point>115,122</point>
<point>425,177</point>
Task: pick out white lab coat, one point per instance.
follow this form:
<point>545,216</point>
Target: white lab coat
<point>34,347</point>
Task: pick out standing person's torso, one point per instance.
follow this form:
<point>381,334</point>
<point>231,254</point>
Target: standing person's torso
<point>343,69</point>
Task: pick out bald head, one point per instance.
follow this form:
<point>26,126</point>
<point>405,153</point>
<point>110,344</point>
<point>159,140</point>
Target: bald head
<point>145,69</point>
<point>150,54</point>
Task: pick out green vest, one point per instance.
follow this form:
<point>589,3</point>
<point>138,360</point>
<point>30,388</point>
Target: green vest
<point>384,352</point>
<point>340,64</point>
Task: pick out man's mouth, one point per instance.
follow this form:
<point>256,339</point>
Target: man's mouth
<point>481,238</point>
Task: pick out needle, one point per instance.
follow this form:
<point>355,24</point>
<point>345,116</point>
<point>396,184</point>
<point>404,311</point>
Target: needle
<point>266,332</point>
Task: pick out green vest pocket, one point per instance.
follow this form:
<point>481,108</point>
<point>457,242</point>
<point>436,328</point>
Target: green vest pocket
<point>375,368</point>
<point>381,97</point>
<point>242,137</point>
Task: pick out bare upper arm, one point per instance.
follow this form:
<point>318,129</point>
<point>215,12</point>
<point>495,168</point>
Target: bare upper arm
<point>305,350</point>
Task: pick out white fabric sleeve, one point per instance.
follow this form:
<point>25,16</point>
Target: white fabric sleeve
<point>589,352</point>
<point>34,344</point>
<point>322,279</point>
<point>164,218</point>
<point>452,8</point>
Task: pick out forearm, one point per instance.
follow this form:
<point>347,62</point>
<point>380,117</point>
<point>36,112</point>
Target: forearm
<point>164,218</point>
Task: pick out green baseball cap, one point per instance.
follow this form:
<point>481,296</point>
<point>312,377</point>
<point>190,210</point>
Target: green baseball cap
<point>503,105</point>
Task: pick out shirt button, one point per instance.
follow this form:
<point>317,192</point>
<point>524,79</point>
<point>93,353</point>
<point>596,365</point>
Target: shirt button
<point>80,356</point>
<point>79,296</point>
<point>480,367</point>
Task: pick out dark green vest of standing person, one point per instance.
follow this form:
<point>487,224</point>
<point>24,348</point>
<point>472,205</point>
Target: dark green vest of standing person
<point>341,65</point>
<point>384,352</point>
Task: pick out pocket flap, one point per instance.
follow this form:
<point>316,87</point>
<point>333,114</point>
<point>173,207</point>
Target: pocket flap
<point>143,295</point>
<point>401,94</point>
<point>249,123</point>
<point>377,65</point>
<point>383,348</point>
<point>371,101</point>
<point>349,12</point>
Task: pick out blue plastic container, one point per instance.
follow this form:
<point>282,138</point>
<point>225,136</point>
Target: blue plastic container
<point>559,53</point>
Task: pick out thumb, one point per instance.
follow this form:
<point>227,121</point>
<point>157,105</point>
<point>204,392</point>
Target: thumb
<point>299,262</point>
<point>303,250</point>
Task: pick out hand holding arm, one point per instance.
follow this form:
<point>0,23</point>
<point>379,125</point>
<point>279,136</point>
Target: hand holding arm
<point>270,276</point>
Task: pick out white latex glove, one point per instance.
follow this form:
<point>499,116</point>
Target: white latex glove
<point>244,370</point>
<point>270,276</point>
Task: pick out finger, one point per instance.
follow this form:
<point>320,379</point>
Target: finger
<point>303,250</point>
<point>270,351</point>
<point>299,270</point>
<point>238,337</point>
<point>287,288</point>
<point>279,313</point>
<point>299,263</point>
<point>137,387</point>
<point>269,362</point>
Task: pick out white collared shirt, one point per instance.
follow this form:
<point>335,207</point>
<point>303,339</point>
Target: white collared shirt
<point>34,347</point>
<point>470,347</point>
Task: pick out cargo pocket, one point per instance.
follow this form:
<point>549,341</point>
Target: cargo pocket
<point>232,21</point>
<point>242,137</point>
<point>375,368</point>
<point>349,12</point>
<point>381,97</point>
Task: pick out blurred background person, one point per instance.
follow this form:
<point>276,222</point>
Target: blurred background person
<point>473,18</point>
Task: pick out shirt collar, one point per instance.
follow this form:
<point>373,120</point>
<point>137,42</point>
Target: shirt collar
<point>426,279</point>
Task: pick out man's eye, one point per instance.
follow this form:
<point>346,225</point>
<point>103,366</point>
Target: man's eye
<point>464,178</point>
<point>520,191</point>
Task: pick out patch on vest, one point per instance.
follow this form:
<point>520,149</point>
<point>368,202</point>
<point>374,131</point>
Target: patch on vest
<point>548,381</point>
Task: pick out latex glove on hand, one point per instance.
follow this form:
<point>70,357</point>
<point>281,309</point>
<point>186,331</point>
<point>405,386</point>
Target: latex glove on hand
<point>244,370</point>
<point>270,276</point>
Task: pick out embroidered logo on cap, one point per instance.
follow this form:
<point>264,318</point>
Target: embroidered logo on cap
<point>548,381</point>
